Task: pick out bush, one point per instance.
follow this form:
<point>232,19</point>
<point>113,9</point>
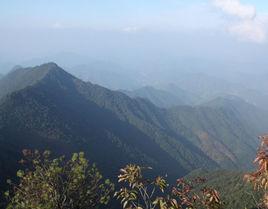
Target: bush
<point>259,178</point>
<point>139,192</point>
<point>58,184</point>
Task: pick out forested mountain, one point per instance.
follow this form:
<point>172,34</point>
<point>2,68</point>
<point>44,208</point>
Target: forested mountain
<point>50,109</point>
<point>251,114</point>
<point>20,78</point>
<point>225,129</point>
<point>46,108</point>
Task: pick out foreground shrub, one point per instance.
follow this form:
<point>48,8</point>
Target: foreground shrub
<point>139,192</point>
<point>58,184</point>
<point>259,178</point>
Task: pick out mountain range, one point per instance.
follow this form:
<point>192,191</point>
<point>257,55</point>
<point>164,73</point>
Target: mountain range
<point>192,80</point>
<point>44,107</point>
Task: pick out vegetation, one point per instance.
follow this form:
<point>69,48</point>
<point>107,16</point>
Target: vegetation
<point>86,116</point>
<point>259,178</point>
<point>139,192</point>
<point>122,130</point>
<point>234,191</point>
<point>58,184</point>
<point>48,183</point>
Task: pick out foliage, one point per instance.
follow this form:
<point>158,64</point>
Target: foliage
<point>144,193</point>
<point>56,183</point>
<point>259,178</point>
<point>234,192</point>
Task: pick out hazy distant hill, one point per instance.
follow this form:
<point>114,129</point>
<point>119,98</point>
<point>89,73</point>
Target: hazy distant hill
<point>160,98</point>
<point>168,95</point>
<point>225,129</point>
<point>206,87</point>
<point>187,96</point>
<point>254,116</point>
<point>47,108</point>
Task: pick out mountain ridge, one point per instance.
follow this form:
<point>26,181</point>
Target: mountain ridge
<point>60,112</point>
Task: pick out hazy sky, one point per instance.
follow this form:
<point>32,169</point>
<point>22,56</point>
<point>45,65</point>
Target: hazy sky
<point>115,28</point>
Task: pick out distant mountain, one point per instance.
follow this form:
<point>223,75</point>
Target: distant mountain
<point>187,96</point>
<point>251,114</point>
<point>166,96</point>
<point>225,129</point>
<point>160,98</point>
<point>46,108</point>
<point>206,87</point>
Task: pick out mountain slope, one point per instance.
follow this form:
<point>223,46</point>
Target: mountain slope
<point>51,109</point>
<point>20,78</point>
<point>255,117</point>
<point>59,112</point>
<point>234,191</point>
<point>187,96</point>
<point>225,129</point>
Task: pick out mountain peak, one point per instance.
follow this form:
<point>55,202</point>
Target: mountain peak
<point>47,67</point>
<point>50,65</point>
<point>22,77</point>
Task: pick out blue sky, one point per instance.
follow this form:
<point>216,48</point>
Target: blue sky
<point>261,5</point>
<point>100,6</point>
<point>95,13</point>
<point>38,27</point>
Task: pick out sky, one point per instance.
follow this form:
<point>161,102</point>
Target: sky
<point>35,28</point>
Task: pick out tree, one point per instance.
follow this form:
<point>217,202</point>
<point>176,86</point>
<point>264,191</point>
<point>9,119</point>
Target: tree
<point>58,184</point>
<point>259,178</point>
<point>139,192</point>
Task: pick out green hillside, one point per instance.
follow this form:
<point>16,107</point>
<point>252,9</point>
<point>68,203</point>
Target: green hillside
<point>226,133</point>
<point>46,108</point>
<point>62,113</point>
<point>234,191</point>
